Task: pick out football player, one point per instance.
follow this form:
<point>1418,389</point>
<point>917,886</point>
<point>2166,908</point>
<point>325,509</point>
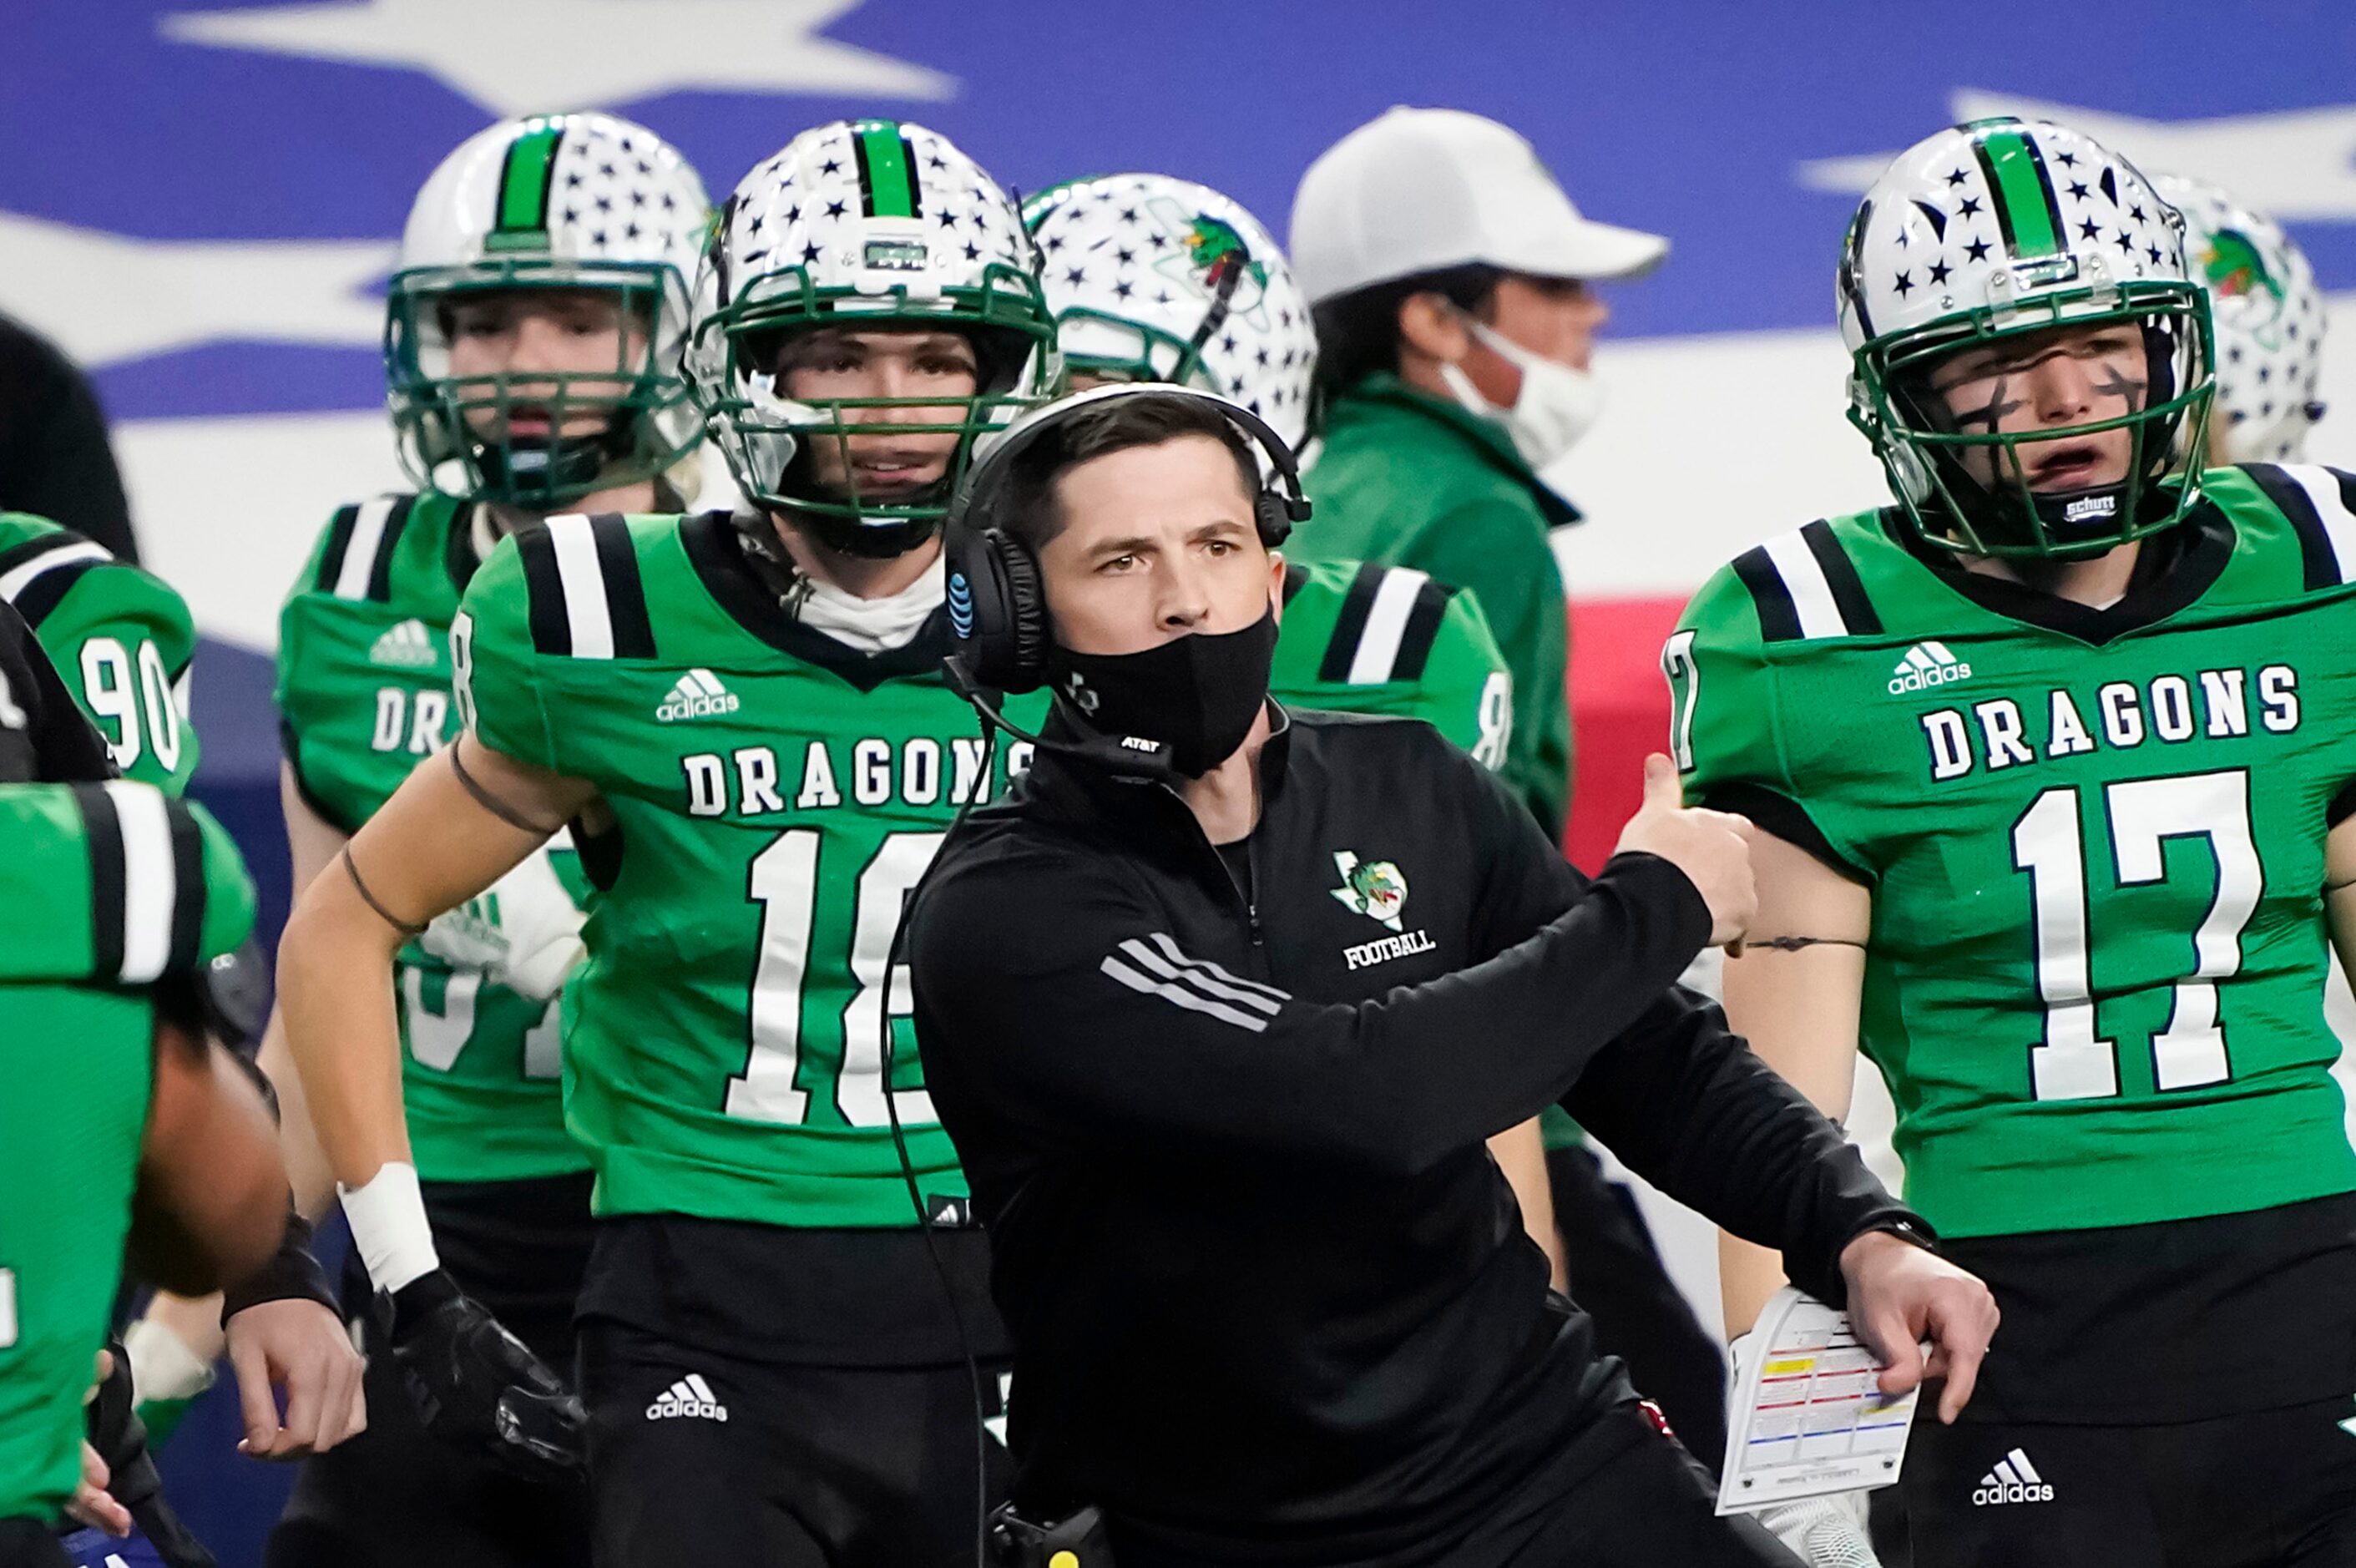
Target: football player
<point>122,1123</point>
<point>2270,319</point>
<point>122,638</point>
<point>745,714</point>
<point>2053,760</point>
<point>533,340</point>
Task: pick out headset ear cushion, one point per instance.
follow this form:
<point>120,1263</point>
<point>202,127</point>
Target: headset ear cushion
<point>1275,517</point>
<point>1025,605</point>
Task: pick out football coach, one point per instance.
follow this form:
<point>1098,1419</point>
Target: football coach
<point>1219,1004</point>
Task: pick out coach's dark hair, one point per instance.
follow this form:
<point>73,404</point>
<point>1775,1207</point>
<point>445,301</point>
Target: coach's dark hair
<point>1358,334</point>
<point>1031,512</point>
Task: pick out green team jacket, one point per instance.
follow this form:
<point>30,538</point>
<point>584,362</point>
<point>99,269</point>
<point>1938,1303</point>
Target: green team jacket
<point>1412,480</point>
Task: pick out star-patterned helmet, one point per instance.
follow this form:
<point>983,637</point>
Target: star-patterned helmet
<point>1155,279</point>
<point>567,202</point>
<point>877,225</point>
<point>1998,229</point>
<point>2269,320</point>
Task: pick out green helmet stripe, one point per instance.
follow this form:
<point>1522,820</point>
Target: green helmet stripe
<point>2026,213</point>
<point>523,189</point>
<point>886,178</point>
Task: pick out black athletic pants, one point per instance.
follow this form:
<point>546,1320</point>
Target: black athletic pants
<point>1616,1276</point>
<point>700,1458</point>
<point>2269,1489</point>
<point>28,1543</point>
<point>1621,1493</point>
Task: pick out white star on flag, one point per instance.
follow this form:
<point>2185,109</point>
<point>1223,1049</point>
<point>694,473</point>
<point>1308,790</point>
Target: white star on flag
<point>2295,164</point>
<point>524,57</point>
<point>105,298</point>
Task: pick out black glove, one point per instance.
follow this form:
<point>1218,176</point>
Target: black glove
<point>477,1385</point>
<point>115,1431</point>
<point>1077,1540</point>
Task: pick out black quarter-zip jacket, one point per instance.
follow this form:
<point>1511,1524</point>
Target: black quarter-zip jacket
<point>1271,1299</point>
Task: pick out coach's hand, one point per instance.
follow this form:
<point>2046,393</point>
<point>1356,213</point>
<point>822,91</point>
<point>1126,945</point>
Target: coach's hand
<point>1712,848</point>
<point>299,1346</point>
<point>475,1384</point>
<point>1900,1297</point>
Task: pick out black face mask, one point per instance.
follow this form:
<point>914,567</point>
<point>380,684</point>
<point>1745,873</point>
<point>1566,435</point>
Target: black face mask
<point>1197,694</point>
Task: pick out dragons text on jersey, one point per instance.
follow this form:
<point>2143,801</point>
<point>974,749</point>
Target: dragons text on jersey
<point>2117,715</point>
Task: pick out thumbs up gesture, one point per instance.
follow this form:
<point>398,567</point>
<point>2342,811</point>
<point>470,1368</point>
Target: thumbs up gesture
<point>1712,848</point>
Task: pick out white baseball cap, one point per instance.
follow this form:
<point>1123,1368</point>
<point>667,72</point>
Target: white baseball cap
<point>1421,190</point>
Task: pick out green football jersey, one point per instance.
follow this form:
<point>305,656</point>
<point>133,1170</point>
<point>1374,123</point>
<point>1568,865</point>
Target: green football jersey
<point>776,795</point>
<point>364,693</point>
<point>114,883</point>
<point>119,634</point>
<point>77,1066</point>
<point>1362,638</point>
<point>2095,841</point>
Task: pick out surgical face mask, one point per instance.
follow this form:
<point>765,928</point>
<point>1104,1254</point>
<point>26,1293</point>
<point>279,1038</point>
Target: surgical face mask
<point>1197,695</point>
<point>1556,406</point>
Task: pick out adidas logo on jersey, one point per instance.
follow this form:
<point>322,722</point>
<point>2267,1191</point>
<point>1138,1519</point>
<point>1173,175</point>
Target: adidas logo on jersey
<point>690,1396</point>
<point>1927,664</point>
<point>2014,1480</point>
<point>406,644</point>
<point>698,695</point>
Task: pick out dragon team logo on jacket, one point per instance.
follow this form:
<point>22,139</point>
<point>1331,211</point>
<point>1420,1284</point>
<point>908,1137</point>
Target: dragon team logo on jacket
<point>1373,888</point>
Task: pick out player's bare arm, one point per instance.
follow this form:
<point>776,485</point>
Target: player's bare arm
<point>1793,990</point>
<point>2340,891</point>
<point>454,829</point>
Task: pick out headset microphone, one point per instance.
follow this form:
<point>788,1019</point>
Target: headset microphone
<point>1129,755</point>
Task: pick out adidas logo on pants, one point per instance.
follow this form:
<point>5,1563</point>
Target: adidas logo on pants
<point>2014,1480</point>
<point>688,1396</point>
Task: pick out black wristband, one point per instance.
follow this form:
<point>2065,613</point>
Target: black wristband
<point>415,1301</point>
<point>290,1273</point>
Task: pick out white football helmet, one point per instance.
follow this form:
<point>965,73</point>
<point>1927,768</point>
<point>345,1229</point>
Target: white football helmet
<point>2270,317</point>
<point>1156,279</point>
<point>2000,228</point>
<point>878,224</point>
<point>556,201</point>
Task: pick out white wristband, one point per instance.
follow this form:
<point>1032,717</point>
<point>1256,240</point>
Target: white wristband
<point>162,1364</point>
<point>389,1225</point>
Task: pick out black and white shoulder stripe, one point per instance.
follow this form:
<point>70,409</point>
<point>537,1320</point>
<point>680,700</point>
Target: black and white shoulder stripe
<point>1384,632</point>
<point>2321,504</point>
<point>1155,967</point>
<point>1806,588</point>
<point>147,881</point>
<point>36,574</point>
<point>587,600</point>
<point>357,560</point>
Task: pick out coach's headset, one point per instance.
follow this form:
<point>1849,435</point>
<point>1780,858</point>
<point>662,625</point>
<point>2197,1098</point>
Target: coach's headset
<point>998,605</point>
